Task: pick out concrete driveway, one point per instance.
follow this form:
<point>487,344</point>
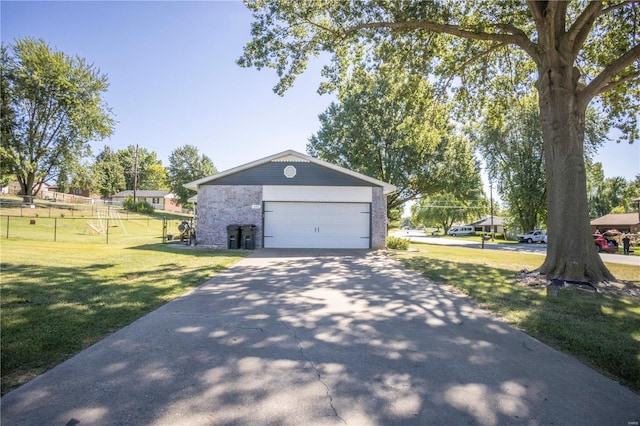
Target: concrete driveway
<point>320,338</point>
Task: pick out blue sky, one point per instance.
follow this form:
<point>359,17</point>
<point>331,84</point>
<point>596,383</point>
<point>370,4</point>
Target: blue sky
<point>174,81</point>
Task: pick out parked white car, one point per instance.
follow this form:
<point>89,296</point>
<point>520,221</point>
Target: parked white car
<point>533,237</point>
<point>461,230</point>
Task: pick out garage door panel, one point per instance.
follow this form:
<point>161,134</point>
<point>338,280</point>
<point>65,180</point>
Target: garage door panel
<point>316,225</point>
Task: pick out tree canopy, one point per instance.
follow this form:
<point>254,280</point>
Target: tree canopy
<point>187,165</point>
<point>388,126</point>
<point>572,52</point>
<point>52,108</point>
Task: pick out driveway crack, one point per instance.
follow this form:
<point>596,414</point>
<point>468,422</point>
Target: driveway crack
<point>315,369</point>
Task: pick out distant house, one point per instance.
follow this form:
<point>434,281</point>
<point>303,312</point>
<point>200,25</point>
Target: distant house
<point>159,199</point>
<point>624,222</point>
<point>484,225</point>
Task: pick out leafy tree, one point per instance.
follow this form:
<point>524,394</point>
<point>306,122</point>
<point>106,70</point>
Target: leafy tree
<point>443,210</point>
<point>146,170</point>
<point>108,173</point>
<point>84,178</point>
<point>156,177</point>
<point>56,109</point>
<point>571,52</point>
<point>388,127</point>
<point>606,194</point>
<point>631,192</point>
<point>187,165</point>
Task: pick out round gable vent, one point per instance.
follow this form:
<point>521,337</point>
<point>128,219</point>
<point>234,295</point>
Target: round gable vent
<point>290,171</point>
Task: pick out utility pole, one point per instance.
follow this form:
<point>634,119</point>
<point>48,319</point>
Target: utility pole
<point>491,197</point>
<point>135,174</point>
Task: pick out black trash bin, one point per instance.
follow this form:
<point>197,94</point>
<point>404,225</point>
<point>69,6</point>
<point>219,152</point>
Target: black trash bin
<point>248,233</point>
<point>233,237</point>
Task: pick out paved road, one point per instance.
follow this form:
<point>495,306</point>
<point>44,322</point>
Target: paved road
<point>540,249</point>
<point>320,338</point>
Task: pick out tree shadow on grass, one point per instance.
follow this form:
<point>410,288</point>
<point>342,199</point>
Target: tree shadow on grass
<point>600,329</point>
<point>50,313</point>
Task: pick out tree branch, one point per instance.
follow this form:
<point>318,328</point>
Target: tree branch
<point>491,49</point>
<point>612,85</point>
<point>603,80</point>
<point>515,36</point>
<point>581,27</point>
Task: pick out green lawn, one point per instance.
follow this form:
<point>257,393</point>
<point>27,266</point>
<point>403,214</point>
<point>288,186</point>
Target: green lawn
<point>602,330</point>
<point>58,298</point>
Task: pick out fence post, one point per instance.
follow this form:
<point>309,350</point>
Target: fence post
<point>55,229</point>
<point>107,229</point>
<point>7,227</point>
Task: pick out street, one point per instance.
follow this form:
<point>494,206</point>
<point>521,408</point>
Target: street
<point>541,249</point>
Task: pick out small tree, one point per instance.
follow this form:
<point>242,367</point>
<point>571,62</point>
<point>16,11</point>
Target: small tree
<point>186,165</point>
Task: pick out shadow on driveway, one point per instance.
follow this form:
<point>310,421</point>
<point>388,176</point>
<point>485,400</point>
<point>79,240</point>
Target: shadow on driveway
<point>295,337</point>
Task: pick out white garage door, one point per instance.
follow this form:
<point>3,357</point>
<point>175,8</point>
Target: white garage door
<point>316,225</point>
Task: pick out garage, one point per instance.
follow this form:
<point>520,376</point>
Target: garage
<point>317,225</point>
<point>293,200</point>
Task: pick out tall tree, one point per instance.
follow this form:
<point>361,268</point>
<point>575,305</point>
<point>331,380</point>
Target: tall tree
<point>56,109</point>
<point>108,173</point>
<point>141,168</point>
<point>388,126</point>
<point>577,51</point>
<point>510,141</point>
<point>187,165</point>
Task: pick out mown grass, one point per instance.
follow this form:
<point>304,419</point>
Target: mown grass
<point>602,330</point>
<point>59,298</point>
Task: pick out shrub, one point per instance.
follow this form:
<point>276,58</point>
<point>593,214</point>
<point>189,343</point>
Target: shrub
<point>397,243</point>
<point>139,206</point>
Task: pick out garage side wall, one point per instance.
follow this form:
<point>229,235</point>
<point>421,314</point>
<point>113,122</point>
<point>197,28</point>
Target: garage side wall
<point>222,205</point>
<point>378,219</point>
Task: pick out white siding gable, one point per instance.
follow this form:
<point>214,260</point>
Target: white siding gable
<point>327,194</point>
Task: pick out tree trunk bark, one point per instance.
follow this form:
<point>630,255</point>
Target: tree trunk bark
<point>571,252</point>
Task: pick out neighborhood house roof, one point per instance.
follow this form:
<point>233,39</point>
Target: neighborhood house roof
<point>617,219</point>
<point>291,156</point>
<point>145,193</point>
<point>497,221</point>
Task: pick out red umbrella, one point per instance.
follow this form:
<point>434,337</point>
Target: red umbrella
<point>613,232</point>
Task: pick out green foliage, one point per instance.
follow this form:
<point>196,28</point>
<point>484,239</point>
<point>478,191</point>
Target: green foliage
<point>137,206</point>
<point>388,126</point>
<point>396,243</point>
<point>109,173</point>
<point>510,141</point>
<point>186,165</point>
<point>143,166</point>
<point>610,195</point>
<point>443,210</point>
<point>54,108</point>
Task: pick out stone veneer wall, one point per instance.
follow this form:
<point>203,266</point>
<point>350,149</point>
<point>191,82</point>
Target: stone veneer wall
<point>378,219</point>
<point>222,205</point>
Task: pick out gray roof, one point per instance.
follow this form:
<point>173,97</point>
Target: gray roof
<point>613,219</point>
<point>144,193</point>
<point>291,155</point>
<point>497,221</point>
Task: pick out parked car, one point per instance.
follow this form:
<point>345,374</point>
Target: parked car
<point>461,230</point>
<point>533,237</point>
<point>603,244</point>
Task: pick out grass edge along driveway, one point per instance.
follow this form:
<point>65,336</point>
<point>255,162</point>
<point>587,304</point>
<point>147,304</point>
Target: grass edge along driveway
<point>601,330</point>
<point>58,300</point>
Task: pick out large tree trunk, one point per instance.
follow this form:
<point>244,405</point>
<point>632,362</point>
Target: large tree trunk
<point>571,252</point>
